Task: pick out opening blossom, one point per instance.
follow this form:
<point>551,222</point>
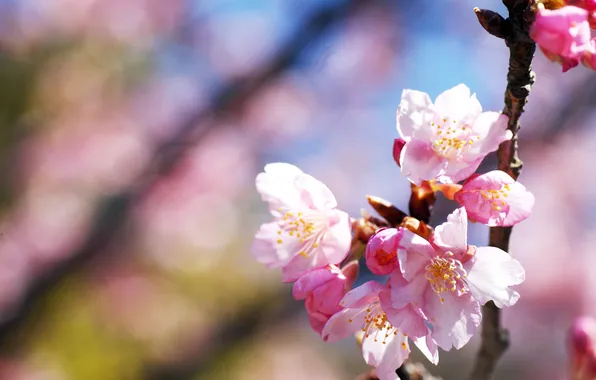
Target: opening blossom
<point>563,34</point>
<point>448,280</point>
<point>307,232</point>
<point>446,140</point>
<point>381,251</point>
<point>495,199</point>
<point>322,289</point>
<point>384,345</point>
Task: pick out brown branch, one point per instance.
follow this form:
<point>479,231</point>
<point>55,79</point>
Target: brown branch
<point>494,339</point>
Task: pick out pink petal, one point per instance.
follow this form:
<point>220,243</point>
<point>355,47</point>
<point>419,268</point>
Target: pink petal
<point>398,145</point>
<point>387,357</point>
<point>277,186</point>
<point>414,254</point>
<point>266,249</point>
<point>428,347</point>
<point>507,209</point>
<point>459,170</point>
<point>312,280</point>
<point>456,103</point>
<point>415,112</point>
<point>453,234</point>
<point>420,162</point>
<point>363,295</point>
<point>408,319</point>
<point>490,274</point>
<point>455,320</point>
<point>564,32</point>
<point>332,249</point>
<point>381,251</point>
<point>343,324</point>
<point>404,292</point>
<point>317,321</point>
<point>315,193</point>
<point>491,128</point>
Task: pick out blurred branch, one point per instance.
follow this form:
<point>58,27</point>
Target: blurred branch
<point>520,78</point>
<point>112,214</point>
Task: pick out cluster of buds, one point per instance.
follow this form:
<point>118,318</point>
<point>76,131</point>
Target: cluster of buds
<point>562,30</point>
<point>436,281</point>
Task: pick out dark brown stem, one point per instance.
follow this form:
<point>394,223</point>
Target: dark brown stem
<point>520,78</point>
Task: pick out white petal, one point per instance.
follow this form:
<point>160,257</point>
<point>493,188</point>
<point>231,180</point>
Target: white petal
<point>490,273</point>
<point>455,320</point>
<point>363,295</point>
<point>343,324</point>
<point>414,253</point>
<point>266,249</point>
<point>455,103</point>
<point>420,162</point>
<point>428,347</point>
<point>315,193</point>
<point>277,186</point>
<point>453,234</point>
<point>386,357</point>
<point>415,112</point>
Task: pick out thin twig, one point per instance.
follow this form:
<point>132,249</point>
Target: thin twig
<point>494,339</point>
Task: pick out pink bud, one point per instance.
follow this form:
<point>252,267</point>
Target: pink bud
<point>562,34</point>
<point>582,336</point>
<point>398,145</point>
<point>381,251</point>
<point>323,289</point>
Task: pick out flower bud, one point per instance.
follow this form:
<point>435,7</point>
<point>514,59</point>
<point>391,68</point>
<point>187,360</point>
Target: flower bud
<point>381,251</point>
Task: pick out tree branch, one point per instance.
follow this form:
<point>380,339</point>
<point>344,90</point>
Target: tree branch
<point>495,339</point>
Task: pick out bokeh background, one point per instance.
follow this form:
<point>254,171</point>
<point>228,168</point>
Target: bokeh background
<point>130,135</point>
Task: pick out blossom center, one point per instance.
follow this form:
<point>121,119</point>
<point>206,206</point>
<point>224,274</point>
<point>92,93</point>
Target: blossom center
<point>446,275</point>
<point>306,229</point>
<point>377,326</point>
<point>384,257</point>
<point>451,138</point>
<point>495,197</point>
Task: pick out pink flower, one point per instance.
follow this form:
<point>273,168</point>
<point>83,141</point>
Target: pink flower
<point>448,280</point>
<point>323,289</point>
<point>384,345</point>
<point>308,232</point>
<point>582,336</point>
<point>381,251</point>
<point>446,140</point>
<point>495,199</point>
<point>562,34</point>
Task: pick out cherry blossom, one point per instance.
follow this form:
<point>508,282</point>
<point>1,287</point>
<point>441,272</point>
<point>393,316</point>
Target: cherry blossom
<point>307,232</point>
<point>446,140</point>
<point>380,254</point>
<point>448,280</point>
<point>495,199</point>
<point>322,289</point>
<point>384,345</point>
<point>562,34</point>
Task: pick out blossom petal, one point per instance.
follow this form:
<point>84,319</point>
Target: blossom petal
<point>387,352</point>
<point>459,170</point>
<point>343,324</point>
<point>315,193</point>
<point>420,162</point>
<point>312,280</point>
<point>409,319</point>
<point>266,249</point>
<point>454,103</point>
<point>520,203</point>
<point>277,186</point>
<point>332,248</point>
<point>413,254</point>
<point>453,234</point>
<point>363,295</point>
<point>490,129</point>
<point>428,348</point>
<point>405,292</point>
<point>454,320</point>
<point>490,274</point>
<point>415,112</point>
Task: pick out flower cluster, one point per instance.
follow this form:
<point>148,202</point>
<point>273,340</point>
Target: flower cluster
<point>436,281</point>
<point>564,34</point>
